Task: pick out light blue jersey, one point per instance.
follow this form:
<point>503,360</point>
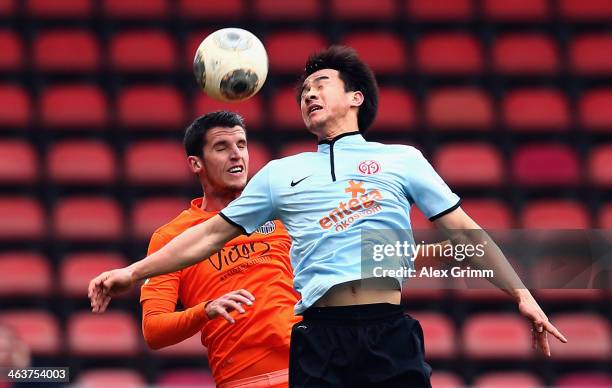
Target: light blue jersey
<point>326,198</point>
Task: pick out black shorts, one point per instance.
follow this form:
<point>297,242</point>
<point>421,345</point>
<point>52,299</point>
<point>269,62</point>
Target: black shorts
<point>372,345</point>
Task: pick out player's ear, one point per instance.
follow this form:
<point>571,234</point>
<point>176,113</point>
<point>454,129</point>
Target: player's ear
<point>195,164</point>
<point>356,98</point>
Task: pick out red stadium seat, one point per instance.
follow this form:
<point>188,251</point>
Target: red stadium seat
<point>186,378</point>
<point>79,106</point>
<point>191,347</point>
<point>592,10</point>
<point>149,214</point>
<point>111,334</point>
<point>297,147</point>
<point>600,160</point>
<point>588,337</point>
<point>44,9</point>
<point>289,50</point>
<point>67,51</point>
<point>78,269</point>
<point>103,378</point>
<point>497,336</point>
<point>604,220</point>
<point>440,334</point>
<point>396,110</point>
<point>24,273</point>
<point>526,54</point>
<point>81,162</point>
<point>363,9</point>
<point>418,219</point>
<point>442,379</point>
<point>38,329</point>
<point>546,164</point>
<point>286,112</point>
<point>193,42</point>
<point>459,109</point>
<point>259,156</point>
<point>143,51</point>
<point>469,164</point>
<point>536,109</point>
<point>211,10</point>
<point>584,379</point>
<point>590,54</point>
<point>594,111</point>
<point>283,10</point>
<point>12,51</point>
<point>7,7</point>
<point>449,53</point>
<point>88,218</point>
<point>440,10</point>
<point>489,213</point>
<point>555,214</point>
<point>507,380</point>
<point>370,44</point>
<point>564,277</point>
<point>18,163</point>
<point>15,106</point>
<point>151,107</point>
<point>157,162</point>
<point>22,219</point>
<point>137,9</point>
<point>251,110</point>
<point>516,10</point>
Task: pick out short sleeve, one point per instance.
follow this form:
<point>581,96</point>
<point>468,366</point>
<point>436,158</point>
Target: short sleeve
<point>426,189</point>
<point>255,205</point>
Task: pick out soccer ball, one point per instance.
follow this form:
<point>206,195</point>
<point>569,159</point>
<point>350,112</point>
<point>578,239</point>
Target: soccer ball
<point>231,64</point>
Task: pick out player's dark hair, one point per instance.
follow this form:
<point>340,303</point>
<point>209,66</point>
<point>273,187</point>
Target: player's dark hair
<point>356,75</point>
<point>195,134</point>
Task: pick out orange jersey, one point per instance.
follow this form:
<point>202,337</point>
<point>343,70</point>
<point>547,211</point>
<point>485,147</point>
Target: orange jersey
<point>259,264</point>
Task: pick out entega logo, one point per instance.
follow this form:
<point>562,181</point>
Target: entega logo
<point>361,204</point>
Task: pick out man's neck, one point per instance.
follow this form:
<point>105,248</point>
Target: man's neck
<point>216,201</point>
<point>336,129</point>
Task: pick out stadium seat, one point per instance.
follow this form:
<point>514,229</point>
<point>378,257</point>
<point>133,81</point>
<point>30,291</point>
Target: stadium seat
<point>157,162</point>
<point>76,270</point>
<point>439,333</point>
<point>604,219</point>
<point>489,213</point>
<point>151,107</point>
<point>18,164</point>
<point>508,380</point>
<point>439,10</point>
<point>137,9</point>
<point>211,10</point>
<point>103,378</point>
<point>87,219</point>
<point>497,336</point>
<point>74,106</point>
<point>251,110</point>
<point>112,334</point>
<point>186,378</point>
<point>12,51</point>
<point>259,156</point>
<point>370,44</point>
<point>554,214</point>
<point>286,112</point>
<point>442,379</point>
<point>25,274</point>
<point>81,162</point>
<point>67,51</point>
<point>151,213</point>
<point>526,54</point>
<point>296,147</point>
<point>594,112</point>
<point>396,110</point>
<point>22,218</point>
<point>191,347</point>
<point>131,51</point>
<point>589,55</point>
<point>418,219</point>
<point>564,277</point>
<point>7,7</point>
<point>59,9</point>
<point>15,106</point>
<point>516,10</point>
<point>459,109</point>
<point>370,10</point>
<point>288,50</point>
<point>449,53</point>
<point>590,337</point>
<point>38,329</point>
<point>536,110</point>
<point>584,379</point>
<point>469,164</point>
<point>193,41</point>
<point>599,162</point>
<point>283,10</point>
<point>586,11</point>
<point>546,164</point>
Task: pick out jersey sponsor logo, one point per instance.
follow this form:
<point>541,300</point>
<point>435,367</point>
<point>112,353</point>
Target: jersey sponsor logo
<point>369,167</point>
<point>266,228</point>
<point>241,252</point>
<point>362,203</point>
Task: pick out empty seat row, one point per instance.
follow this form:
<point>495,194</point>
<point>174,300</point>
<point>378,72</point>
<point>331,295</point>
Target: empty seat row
<point>117,377</point>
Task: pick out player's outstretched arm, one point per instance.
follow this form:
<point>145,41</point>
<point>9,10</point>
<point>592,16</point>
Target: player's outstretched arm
<point>191,246</point>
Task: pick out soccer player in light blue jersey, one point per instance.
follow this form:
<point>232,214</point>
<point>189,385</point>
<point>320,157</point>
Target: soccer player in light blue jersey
<point>353,333</point>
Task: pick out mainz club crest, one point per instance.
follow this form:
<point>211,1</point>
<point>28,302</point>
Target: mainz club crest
<point>369,167</point>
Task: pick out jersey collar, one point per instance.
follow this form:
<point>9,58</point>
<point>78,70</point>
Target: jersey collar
<point>348,138</point>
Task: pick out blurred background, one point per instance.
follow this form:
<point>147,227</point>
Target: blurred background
<point>511,101</point>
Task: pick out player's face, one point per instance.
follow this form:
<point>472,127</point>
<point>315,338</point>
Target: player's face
<point>226,158</point>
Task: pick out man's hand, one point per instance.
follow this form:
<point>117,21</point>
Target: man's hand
<point>106,285</point>
<point>540,326</point>
<point>229,302</point>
